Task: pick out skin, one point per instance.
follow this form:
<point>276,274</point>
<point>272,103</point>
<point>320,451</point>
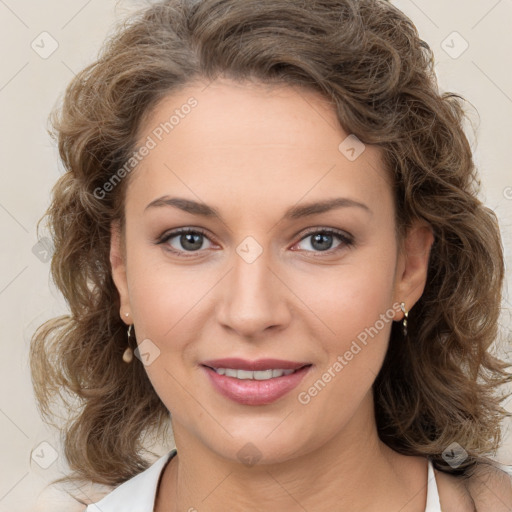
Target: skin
<point>251,152</point>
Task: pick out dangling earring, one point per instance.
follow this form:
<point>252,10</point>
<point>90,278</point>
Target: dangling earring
<point>128,353</point>
<point>404,321</point>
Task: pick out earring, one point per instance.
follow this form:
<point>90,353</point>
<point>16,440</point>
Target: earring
<point>404,321</point>
<point>128,353</point>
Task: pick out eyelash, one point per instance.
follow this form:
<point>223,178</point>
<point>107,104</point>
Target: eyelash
<point>346,240</point>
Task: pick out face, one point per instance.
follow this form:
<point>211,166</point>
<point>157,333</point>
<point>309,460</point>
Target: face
<point>227,258</point>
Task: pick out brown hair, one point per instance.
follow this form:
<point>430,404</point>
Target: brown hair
<point>438,384</point>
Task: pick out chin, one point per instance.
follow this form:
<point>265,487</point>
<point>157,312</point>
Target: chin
<point>256,446</point>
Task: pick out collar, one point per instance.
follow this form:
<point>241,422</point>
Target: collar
<point>137,494</point>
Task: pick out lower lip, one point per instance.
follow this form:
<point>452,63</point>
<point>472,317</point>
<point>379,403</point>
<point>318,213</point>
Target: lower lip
<point>255,392</point>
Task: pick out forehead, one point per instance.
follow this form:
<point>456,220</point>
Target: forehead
<point>227,138</point>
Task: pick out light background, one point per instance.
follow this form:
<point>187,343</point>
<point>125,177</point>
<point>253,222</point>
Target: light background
<point>31,84</point>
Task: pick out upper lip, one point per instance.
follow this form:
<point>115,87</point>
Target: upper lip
<point>259,364</point>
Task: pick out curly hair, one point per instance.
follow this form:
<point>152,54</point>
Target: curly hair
<point>437,385</point>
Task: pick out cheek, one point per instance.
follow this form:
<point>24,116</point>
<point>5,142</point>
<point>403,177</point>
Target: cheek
<point>357,313</point>
<point>164,302</point>
<point>355,306</point>
<point>350,298</point>
<point>164,296</point>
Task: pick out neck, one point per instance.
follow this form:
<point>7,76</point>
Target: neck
<point>354,470</point>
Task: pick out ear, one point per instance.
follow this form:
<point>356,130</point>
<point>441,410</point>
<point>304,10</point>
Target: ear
<point>412,265</point>
<point>118,266</point>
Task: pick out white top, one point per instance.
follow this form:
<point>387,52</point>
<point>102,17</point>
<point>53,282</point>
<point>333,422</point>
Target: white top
<point>433,504</point>
<point>139,493</point>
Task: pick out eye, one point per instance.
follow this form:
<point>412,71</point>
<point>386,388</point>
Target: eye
<point>322,240</point>
<point>187,240</point>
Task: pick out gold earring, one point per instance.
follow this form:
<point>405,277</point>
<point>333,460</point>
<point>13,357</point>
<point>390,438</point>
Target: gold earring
<point>128,353</point>
<point>404,321</point>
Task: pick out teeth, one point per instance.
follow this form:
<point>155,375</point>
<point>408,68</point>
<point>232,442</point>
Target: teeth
<point>256,375</point>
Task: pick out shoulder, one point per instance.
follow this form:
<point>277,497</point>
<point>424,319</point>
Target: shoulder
<point>56,498</point>
<point>490,489</point>
<point>454,496</point>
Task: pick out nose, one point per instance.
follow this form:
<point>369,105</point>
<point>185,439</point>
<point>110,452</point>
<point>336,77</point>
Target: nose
<point>254,298</point>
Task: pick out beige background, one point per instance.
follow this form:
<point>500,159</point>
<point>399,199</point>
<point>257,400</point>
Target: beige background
<point>31,84</point>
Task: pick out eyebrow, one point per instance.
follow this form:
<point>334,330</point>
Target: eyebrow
<point>293,213</point>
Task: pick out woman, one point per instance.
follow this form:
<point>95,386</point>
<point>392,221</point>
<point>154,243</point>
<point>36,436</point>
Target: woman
<point>269,233</point>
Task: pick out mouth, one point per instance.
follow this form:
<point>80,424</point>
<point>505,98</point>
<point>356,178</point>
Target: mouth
<point>257,375</point>
<point>254,382</point>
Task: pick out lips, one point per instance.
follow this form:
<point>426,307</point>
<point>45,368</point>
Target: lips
<point>239,384</point>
